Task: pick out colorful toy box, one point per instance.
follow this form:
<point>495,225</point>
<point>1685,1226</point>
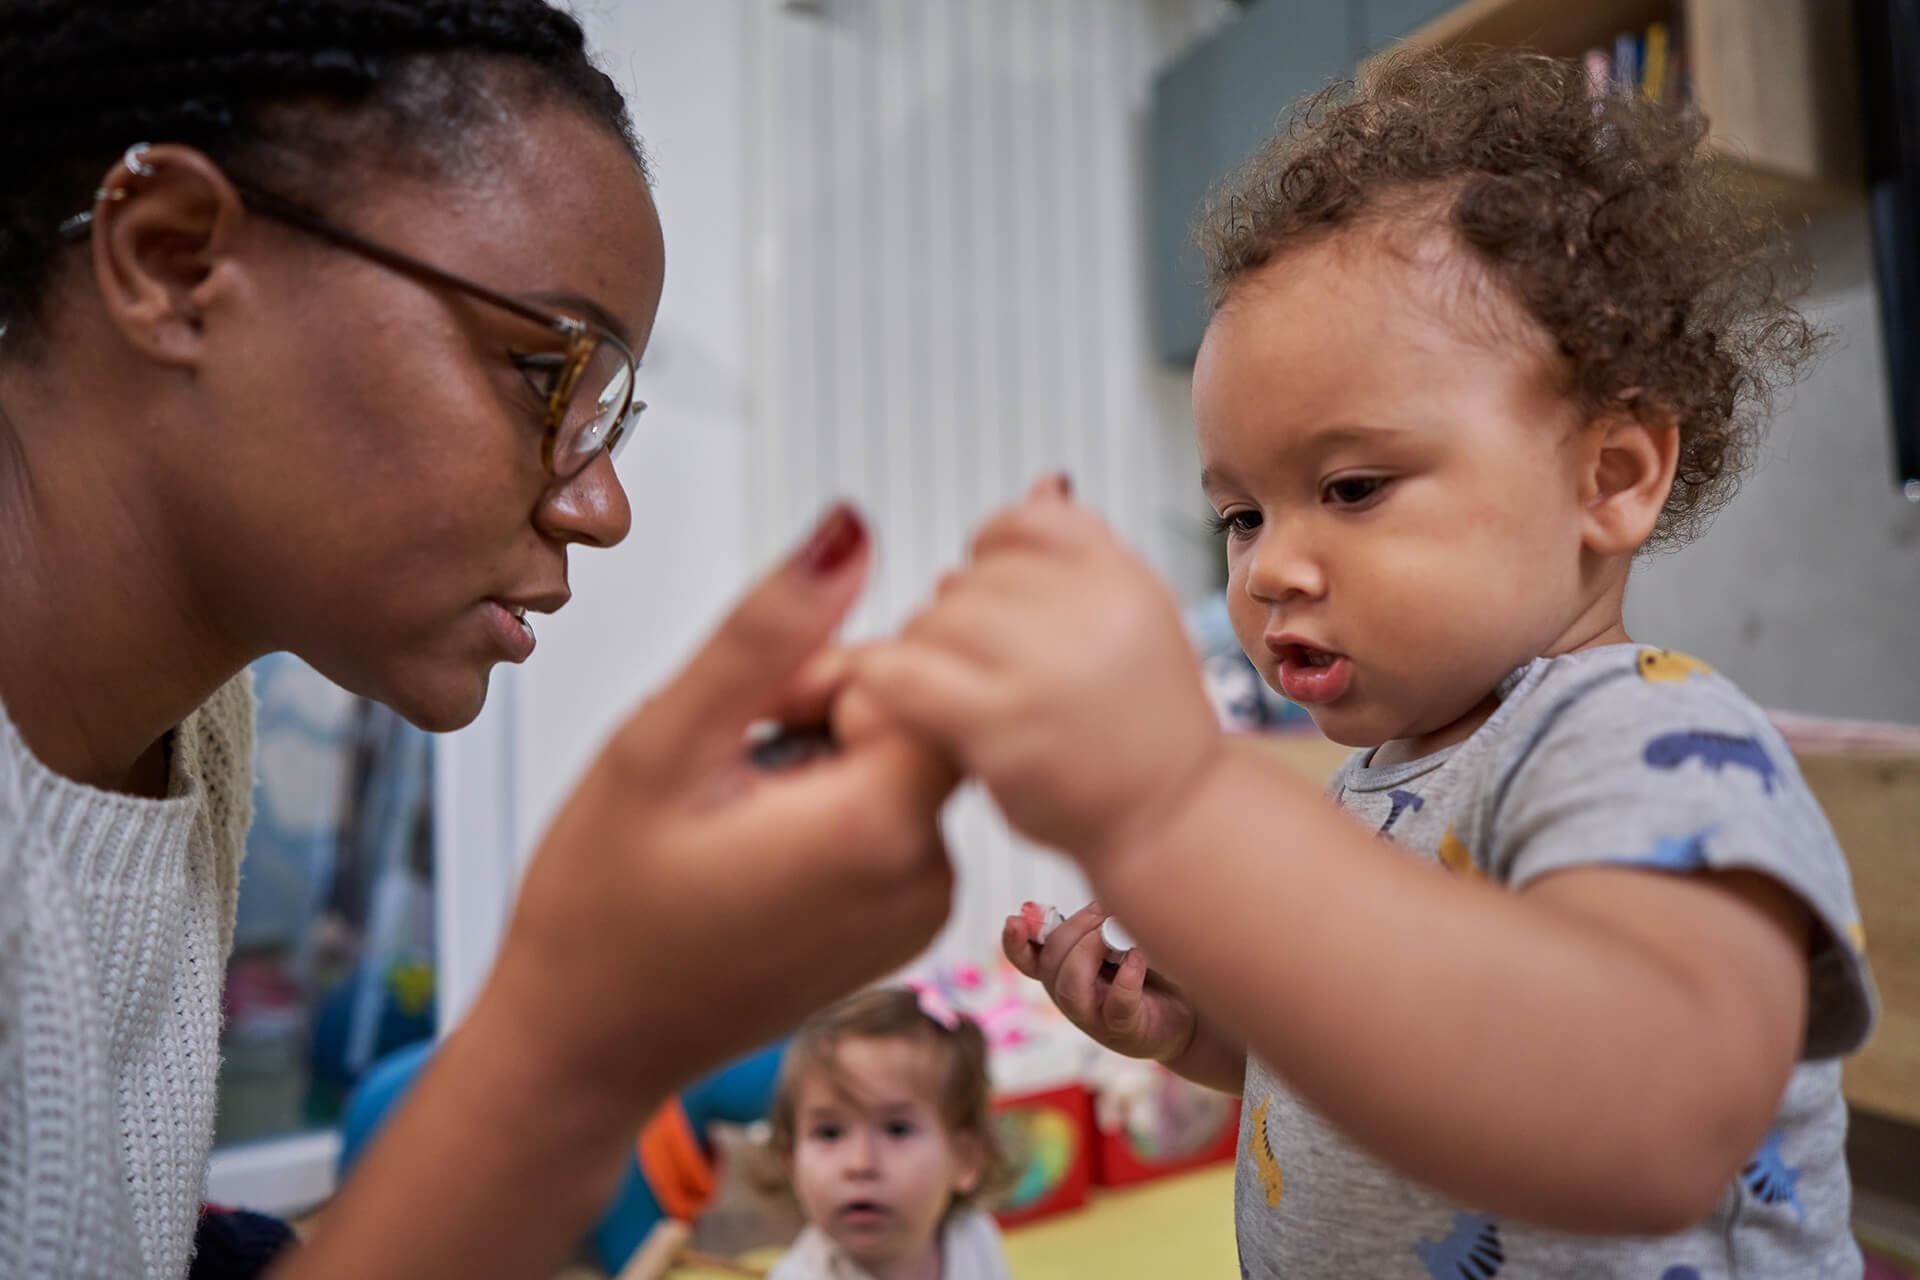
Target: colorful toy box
<point>1048,1135</point>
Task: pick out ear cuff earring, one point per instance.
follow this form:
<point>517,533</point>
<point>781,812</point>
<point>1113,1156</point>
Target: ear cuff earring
<point>136,164</point>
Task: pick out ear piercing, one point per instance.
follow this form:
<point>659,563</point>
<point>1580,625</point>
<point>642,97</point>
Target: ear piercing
<point>134,160</point>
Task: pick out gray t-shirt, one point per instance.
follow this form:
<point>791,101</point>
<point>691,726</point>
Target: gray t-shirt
<point>1623,755</point>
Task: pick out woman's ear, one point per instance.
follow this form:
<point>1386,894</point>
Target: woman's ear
<point>162,238</point>
<point>1628,468</point>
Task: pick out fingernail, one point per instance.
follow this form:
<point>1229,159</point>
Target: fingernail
<point>1064,483</point>
<point>835,539</point>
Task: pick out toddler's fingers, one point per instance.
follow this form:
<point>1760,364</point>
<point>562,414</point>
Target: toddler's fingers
<point>1016,941</point>
<point>1079,978</point>
<point>1127,996</point>
<point>1067,935</point>
<point>1051,526</point>
<point>1055,484</point>
<point>928,691</point>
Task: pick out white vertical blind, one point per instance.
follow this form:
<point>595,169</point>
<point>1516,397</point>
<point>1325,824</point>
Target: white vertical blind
<point>951,200</point>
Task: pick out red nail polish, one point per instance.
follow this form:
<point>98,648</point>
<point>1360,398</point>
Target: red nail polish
<point>1066,484</point>
<point>835,539</point>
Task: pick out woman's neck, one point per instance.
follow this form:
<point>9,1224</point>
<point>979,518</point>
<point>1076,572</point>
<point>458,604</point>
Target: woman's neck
<point>102,650</point>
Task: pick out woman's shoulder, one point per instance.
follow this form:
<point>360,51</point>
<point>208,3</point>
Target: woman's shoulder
<point>218,737</point>
<point>214,752</point>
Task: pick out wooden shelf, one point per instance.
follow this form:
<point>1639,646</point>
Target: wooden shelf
<point>1775,78</point>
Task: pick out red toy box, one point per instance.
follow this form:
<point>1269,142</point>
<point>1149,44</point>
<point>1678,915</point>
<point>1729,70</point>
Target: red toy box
<point>1048,1136</point>
<point>1170,1127</point>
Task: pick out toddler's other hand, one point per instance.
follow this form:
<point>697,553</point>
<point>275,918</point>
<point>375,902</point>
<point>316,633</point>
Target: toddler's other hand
<point>1126,1008</point>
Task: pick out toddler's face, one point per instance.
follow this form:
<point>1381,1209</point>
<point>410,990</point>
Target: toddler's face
<point>874,1166</point>
<point>1399,479</point>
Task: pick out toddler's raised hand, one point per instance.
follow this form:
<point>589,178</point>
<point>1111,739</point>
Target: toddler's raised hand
<point>1054,667</point>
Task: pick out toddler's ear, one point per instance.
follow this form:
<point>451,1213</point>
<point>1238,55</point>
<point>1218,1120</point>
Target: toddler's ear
<point>969,1165</point>
<point>1628,468</point>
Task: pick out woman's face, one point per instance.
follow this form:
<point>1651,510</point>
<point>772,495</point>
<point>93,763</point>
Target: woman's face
<point>371,479</point>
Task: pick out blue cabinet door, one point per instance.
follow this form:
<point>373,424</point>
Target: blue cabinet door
<point>1383,21</point>
<point>1212,109</point>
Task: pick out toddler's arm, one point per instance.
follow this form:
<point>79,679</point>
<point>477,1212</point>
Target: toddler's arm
<point>1600,1052</point>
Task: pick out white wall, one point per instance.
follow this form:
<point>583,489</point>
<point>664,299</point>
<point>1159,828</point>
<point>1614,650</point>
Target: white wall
<point>955,283</point>
<point>639,607</point>
<point>1807,589</point>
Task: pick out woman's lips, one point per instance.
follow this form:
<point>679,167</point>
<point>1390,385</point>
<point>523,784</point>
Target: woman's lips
<point>511,630</point>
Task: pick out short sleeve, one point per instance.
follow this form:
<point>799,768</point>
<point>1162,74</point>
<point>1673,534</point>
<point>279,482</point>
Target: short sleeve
<point>1679,772</point>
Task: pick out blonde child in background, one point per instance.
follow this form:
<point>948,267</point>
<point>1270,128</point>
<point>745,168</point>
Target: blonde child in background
<point>881,1113</point>
<point>1559,982</point>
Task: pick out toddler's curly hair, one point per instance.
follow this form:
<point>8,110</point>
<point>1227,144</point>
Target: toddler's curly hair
<point>1634,246</point>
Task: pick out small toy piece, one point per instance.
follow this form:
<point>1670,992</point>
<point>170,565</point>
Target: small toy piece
<point>1044,920</point>
<point>777,746</point>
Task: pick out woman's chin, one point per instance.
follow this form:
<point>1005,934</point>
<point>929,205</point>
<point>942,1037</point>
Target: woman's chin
<point>440,702</point>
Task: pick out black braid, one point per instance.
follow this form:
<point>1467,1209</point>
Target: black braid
<point>278,91</point>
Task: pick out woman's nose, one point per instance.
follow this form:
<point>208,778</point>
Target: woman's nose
<point>590,508</point>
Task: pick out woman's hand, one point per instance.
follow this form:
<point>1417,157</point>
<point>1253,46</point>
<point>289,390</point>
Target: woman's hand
<point>686,905</point>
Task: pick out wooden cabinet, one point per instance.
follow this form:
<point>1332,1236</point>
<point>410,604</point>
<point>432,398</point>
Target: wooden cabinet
<point>1775,78</point>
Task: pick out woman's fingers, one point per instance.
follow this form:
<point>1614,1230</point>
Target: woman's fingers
<point>748,665</point>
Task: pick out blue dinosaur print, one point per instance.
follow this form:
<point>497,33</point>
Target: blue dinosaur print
<point>1676,853</point>
<point>1680,1271</point>
<point>1771,1179</point>
<point>1402,801</point>
<point>1715,750</point>
<point>1470,1252</point>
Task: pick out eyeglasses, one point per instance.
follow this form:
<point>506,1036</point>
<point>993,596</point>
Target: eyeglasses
<point>588,386</point>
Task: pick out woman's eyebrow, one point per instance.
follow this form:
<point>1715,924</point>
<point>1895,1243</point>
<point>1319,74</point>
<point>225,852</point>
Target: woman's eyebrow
<point>587,309</point>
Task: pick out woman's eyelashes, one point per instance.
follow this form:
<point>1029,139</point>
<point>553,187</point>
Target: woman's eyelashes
<point>540,370</point>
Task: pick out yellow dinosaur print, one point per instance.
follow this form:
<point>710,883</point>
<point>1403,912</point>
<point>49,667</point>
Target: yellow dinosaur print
<point>1857,937</point>
<point>1456,857</point>
<point>1263,1154</point>
<point>1664,666</point>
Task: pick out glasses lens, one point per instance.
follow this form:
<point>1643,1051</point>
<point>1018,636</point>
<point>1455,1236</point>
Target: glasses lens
<point>598,409</point>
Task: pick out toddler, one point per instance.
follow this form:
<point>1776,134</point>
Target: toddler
<point>1559,981</point>
<point>881,1112</point>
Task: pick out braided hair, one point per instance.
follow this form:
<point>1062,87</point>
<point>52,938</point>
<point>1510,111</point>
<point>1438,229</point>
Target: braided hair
<point>286,94</point>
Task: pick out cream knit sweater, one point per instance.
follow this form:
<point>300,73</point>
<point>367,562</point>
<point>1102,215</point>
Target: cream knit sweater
<point>116,915</point>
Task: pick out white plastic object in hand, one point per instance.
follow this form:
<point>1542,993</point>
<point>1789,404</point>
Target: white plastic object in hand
<point>1118,940</point>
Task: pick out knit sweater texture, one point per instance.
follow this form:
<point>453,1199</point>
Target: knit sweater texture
<point>116,916</point>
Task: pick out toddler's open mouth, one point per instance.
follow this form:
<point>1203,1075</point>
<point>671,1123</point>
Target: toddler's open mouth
<point>1309,674</point>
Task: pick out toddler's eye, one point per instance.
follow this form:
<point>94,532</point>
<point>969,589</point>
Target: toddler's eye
<point>900,1128</point>
<point>1352,491</point>
<point>825,1133</point>
<point>1234,524</point>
